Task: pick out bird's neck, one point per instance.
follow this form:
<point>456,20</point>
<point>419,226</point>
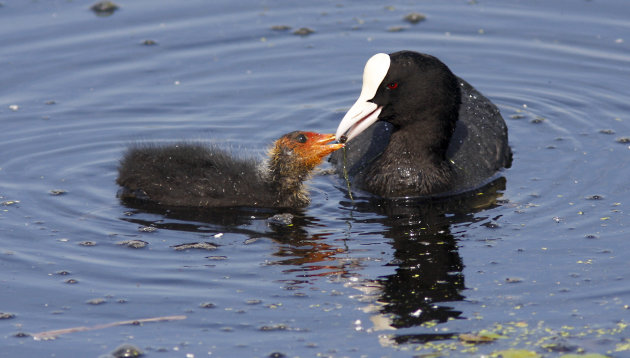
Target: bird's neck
<point>286,178</point>
<point>414,162</point>
<point>420,144</point>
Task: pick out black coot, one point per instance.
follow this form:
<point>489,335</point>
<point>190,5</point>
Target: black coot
<point>419,130</point>
<point>194,175</point>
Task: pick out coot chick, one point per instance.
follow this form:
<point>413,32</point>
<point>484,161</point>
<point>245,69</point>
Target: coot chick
<point>195,175</point>
<point>418,130</point>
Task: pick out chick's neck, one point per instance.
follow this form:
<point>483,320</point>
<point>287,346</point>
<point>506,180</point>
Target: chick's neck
<point>286,175</point>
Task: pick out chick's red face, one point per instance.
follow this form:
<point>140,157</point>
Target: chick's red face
<point>311,147</point>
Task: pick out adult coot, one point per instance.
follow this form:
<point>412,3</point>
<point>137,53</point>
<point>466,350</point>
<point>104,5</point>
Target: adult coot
<point>435,135</point>
<point>199,176</point>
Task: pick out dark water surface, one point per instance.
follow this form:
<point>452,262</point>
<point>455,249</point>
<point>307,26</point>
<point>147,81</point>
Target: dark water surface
<point>540,258</point>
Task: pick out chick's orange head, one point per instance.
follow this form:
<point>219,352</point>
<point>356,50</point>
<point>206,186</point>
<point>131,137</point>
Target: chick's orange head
<point>311,147</point>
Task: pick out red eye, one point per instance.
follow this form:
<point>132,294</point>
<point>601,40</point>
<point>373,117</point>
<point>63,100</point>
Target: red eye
<point>392,85</point>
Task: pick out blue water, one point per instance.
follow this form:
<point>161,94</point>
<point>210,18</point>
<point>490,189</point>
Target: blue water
<point>544,257</point>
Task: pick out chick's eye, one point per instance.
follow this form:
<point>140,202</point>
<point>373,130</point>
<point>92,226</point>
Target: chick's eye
<point>301,138</point>
<point>392,85</point>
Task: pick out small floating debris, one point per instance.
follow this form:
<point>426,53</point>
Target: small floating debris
<point>104,8</point>
<point>50,102</point>
<point>606,131</point>
<point>96,301</point>
<point>303,31</point>
<point>623,140</point>
<point>149,43</point>
<point>516,353</point>
<point>537,120</point>
<point>481,337</point>
<point>275,327</point>
<point>196,245</point>
<point>216,257</point>
<point>4,315</point>
<point>147,228</point>
<point>57,192</point>
<point>513,280</point>
<point>87,243</point>
<point>415,17</point>
<point>9,202</point>
<point>207,305</point>
<point>285,219</point>
<point>517,116</point>
<point>125,351</point>
<point>281,27</point>
<point>397,28</point>
<point>594,197</point>
<point>251,240</point>
<point>134,244</point>
<point>71,281</point>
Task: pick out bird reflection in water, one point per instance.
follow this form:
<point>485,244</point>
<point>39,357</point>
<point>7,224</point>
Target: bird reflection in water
<point>428,267</point>
<point>428,270</point>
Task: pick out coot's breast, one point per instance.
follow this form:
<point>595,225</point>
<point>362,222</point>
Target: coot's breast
<point>361,151</point>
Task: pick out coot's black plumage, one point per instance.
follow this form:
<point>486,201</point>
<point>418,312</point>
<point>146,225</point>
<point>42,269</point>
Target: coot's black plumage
<point>195,175</point>
<point>434,134</point>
